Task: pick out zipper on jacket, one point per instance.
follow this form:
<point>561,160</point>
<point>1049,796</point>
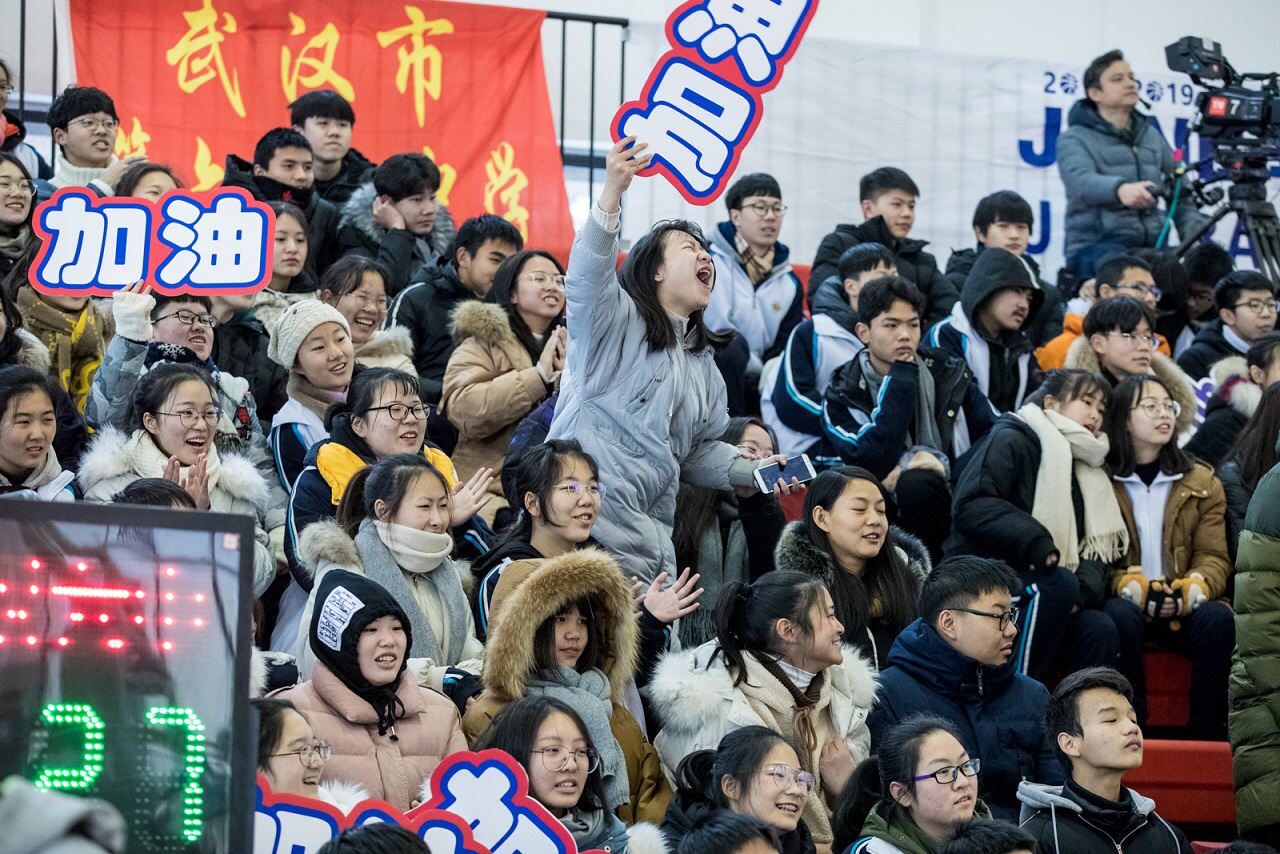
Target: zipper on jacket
<point>979,680</point>
<point>1119,845</point>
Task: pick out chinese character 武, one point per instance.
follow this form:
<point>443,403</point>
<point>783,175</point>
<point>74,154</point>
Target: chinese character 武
<point>198,54</point>
<point>420,60</point>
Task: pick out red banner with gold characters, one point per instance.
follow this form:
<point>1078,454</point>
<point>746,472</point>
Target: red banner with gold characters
<point>195,80</point>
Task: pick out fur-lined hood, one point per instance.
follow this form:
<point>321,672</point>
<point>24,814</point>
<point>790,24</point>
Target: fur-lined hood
<point>1081,355</point>
<point>385,343</point>
<point>533,591</point>
<point>1232,385</point>
<point>326,541</point>
<point>32,352</point>
<point>485,321</point>
<point>796,552</point>
<point>113,461</point>
<point>358,213</point>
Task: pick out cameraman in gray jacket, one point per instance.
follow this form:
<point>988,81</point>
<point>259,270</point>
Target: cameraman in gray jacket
<point>1114,161</point>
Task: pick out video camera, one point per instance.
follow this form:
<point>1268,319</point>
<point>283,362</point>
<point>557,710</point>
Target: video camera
<point>1242,122</point>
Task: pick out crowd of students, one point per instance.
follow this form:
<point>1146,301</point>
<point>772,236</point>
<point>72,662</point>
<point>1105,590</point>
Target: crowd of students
<point>504,502</point>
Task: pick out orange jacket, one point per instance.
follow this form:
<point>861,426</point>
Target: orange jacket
<point>1054,354</point>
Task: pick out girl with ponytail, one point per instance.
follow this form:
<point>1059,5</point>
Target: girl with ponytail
<point>777,661</point>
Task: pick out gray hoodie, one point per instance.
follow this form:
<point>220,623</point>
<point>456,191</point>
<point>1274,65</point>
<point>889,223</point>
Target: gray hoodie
<point>1049,813</point>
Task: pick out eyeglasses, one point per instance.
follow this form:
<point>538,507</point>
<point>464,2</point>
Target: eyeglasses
<point>544,279</point>
<point>1257,306</point>
<point>948,774</point>
<point>190,418</point>
<point>400,411</point>
<point>365,301</point>
<point>1135,340</point>
<point>189,318</point>
<point>17,188</point>
<point>309,753</point>
<point>784,776</point>
<point>763,209</point>
<point>751,449</point>
<point>1156,408</point>
<point>595,490</point>
<point>557,758</point>
<point>1005,619</point>
<point>1146,289</point>
<point>108,125</point>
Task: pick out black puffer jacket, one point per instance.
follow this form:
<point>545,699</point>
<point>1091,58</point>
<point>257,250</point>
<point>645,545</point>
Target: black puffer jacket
<point>1045,325</point>
<point>913,263</point>
<point>356,169</point>
<point>404,254</point>
<point>322,217</point>
<point>240,349</point>
<point>1209,347</point>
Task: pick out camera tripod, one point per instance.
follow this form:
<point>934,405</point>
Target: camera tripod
<point>1247,198</point>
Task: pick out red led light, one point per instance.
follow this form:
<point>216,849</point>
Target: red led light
<point>78,592</point>
<point>199,597</point>
<point>34,590</point>
<point>4,588</point>
<point>169,597</point>
<point>22,614</point>
<point>64,642</point>
<point>198,623</point>
<point>139,620</point>
<point>35,564</point>
<point>140,594</point>
<point>115,643</point>
<point>31,640</point>
<point>167,646</point>
<point>2,640</point>
<point>168,621</point>
<point>170,571</point>
<point>11,614</point>
<point>75,617</point>
<point>103,618</point>
<point>82,566</point>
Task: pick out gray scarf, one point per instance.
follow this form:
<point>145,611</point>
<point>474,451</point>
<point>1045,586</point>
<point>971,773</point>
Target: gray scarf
<point>382,566</point>
<point>589,695</point>
<point>925,431</point>
<point>584,827</point>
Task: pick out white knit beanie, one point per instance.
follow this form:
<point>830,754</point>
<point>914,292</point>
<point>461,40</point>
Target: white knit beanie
<point>295,324</point>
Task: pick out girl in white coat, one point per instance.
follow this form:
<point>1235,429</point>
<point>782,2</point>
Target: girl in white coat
<point>777,662</point>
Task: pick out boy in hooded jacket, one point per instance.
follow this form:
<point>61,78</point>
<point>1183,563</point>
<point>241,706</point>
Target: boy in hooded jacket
<point>1095,733</point>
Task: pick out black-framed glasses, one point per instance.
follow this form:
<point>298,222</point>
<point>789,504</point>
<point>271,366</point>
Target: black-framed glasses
<point>189,318</point>
<point>23,187</point>
<point>1134,340</point>
<point>1007,618</point>
<point>557,758</point>
<point>1145,289</point>
<point>574,488</point>
<point>190,417</point>
<point>949,773</point>
<point>763,209</point>
<point>401,411</point>
<point>1258,306</point>
<point>308,753</point>
<point>784,776</point>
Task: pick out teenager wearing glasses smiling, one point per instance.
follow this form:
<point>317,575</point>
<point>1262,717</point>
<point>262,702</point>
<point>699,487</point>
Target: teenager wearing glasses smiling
<point>1246,302</point>
<point>17,204</point>
<point>510,352</point>
<point>292,758</point>
<point>954,662</point>
<point>912,795</point>
<point>1169,584</point>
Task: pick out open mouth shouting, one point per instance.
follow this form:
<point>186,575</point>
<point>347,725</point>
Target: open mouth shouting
<point>707,275</point>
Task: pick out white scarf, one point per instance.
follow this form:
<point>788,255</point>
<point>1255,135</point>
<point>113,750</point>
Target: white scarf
<point>1067,447</point>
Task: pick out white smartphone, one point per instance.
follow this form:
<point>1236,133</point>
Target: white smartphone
<point>797,467</point>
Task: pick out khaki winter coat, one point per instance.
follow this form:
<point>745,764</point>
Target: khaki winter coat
<point>388,348</point>
<point>532,591</point>
<point>489,385</point>
<point>1195,532</point>
<point>392,770</point>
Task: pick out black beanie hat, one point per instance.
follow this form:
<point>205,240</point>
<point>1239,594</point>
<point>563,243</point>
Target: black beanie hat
<point>345,604</point>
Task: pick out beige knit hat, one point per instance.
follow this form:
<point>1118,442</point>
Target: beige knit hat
<point>295,324</point>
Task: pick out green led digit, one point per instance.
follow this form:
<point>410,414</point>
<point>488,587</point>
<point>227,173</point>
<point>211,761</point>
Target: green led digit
<point>192,792</point>
<point>72,716</point>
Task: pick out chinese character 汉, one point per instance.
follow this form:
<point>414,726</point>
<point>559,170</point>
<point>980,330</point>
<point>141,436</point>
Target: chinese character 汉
<point>506,182</point>
<point>132,143</point>
<point>758,32</point>
<point>198,54</point>
<point>694,122</point>
<point>94,246</point>
<point>420,60</point>
<point>316,57</point>
<point>223,245</point>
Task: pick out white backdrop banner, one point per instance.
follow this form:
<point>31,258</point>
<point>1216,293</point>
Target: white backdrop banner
<point>962,126</point>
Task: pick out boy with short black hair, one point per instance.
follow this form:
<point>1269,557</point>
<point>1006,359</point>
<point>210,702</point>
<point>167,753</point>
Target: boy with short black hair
<point>397,219</point>
<point>954,662</point>
<point>282,171</point>
<point>815,348</point>
<point>982,836</point>
<point>83,121</point>
<point>902,411</point>
<point>986,328</point>
<point>1094,729</point>
<point>326,119</point>
<point>888,201</point>
<point>1003,220</point>
<point>1246,302</point>
<point>424,308</point>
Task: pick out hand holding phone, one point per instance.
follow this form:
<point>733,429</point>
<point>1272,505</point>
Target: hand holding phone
<point>797,468</point>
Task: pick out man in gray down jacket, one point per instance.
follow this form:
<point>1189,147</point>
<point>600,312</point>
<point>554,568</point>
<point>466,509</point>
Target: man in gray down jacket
<point>1113,162</point>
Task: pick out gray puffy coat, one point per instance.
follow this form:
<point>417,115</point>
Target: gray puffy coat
<point>650,419</point>
<point>1095,159</point>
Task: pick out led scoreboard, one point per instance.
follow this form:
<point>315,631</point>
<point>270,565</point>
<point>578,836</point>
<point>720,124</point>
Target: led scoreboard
<point>124,665</point>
